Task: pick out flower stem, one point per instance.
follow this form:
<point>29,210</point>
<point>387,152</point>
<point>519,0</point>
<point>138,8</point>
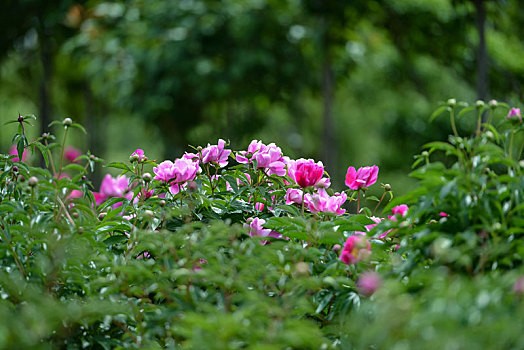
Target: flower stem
<point>452,117</point>
<point>63,151</point>
<point>380,201</point>
<point>358,201</point>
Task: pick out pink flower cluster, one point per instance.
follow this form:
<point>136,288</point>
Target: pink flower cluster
<point>267,157</point>
<point>212,154</point>
<point>321,201</point>
<point>176,174</point>
<point>255,228</point>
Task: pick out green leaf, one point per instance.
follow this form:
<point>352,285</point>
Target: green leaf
<point>465,110</point>
<point>79,126</point>
<point>116,239</point>
<point>437,112</point>
<point>43,150</point>
<point>119,165</point>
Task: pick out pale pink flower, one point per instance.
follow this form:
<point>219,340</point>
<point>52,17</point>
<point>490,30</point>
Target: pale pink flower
<point>369,282</point>
<point>71,153</point>
<point>364,177</point>
<point>356,248</point>
<point>518,287</point>
<point>14,152</point>
<point>293,195</point>
<point>255,228</point>
<point>321,201</point>
<point>185,170</point>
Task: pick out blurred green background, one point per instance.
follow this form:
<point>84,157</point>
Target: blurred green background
<point>343,81</point>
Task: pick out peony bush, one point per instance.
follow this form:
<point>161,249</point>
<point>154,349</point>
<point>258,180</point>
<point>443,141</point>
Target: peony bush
<point>226,249</point>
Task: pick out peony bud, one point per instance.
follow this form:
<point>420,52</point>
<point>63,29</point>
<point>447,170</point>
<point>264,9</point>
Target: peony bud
<point>479,104</point>
<point>147,177</point>
<point>20,119</point>
<point>452,102</point>
<point>33,181</point>
<point>67,122</point>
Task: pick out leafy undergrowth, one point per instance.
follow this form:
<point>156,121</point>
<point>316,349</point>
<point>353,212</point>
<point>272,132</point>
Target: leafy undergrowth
<point>224,249</point>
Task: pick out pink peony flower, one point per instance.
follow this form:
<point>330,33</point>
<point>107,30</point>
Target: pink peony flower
<point>71,153</point>
<point>400,209</point>
<point>355,249</point>
<point>321,201</point>
<point>364,177</point>
<point>514,113</point>
<point>114,187</point>
<point>216,154</point>
<point>369,282</point>
<point>14,152</point>
<point>140,153</point>
<point>443,214</point>
<point>165,171</point>
<point>369,227</point>
<point>305,172</point>
<point>267,157</point>
<point>293,195</point>
<point>254,227</point>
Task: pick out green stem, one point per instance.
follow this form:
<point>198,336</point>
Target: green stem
<point>380,201</point>
<point>511,144</point>
<point>490,116</point>
<point>452,117</point>
<point>63,151</point>
<point>479,118</point>
<point>358,201</point>
<point>303,196</point>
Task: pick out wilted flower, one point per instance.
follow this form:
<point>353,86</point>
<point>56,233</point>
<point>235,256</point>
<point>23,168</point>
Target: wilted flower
<point>355,249</point>
<point>364,177</point>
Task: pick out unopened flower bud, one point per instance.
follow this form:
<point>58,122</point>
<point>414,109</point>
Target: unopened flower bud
<point>33,181</point>
<point>15,169</point>
<point>162,203</point>
<point>479,103</point>
<point>387,187</point>
<point>302,269</point>
<point>147,177</point>
<point>92,157</point>
<point>425,154</point>
<point>84,178</point>
<point>75,214</point>
<point>45,135</point>
<point>192,186</point>
<point>452,102</point>
<point>101,216</point>
<point>337,247</point>
<point>493,103</point>
<point>67,122</point>
<point>80,230</point>
<point>199,148</point>
<point>134,158</point>
<point>148,213</point>
<point>20,119</point>
<point>21,178</point>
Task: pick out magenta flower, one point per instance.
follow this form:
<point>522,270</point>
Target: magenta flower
<point>514,113</point>
<point>305,172</point>
<point>321,201</point>
<point>364,177</point>
<point>216,154</point>
<point>71,153</point>
<point>369,282</point>
<point>293,195</point>
<point>355,249</point>
<point>443,214</point>
<point>140,154</point>
<point>14,152</point>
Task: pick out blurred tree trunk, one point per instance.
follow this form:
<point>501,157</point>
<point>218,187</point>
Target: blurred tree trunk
<point>329,147</point>
<point>482,55</point>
